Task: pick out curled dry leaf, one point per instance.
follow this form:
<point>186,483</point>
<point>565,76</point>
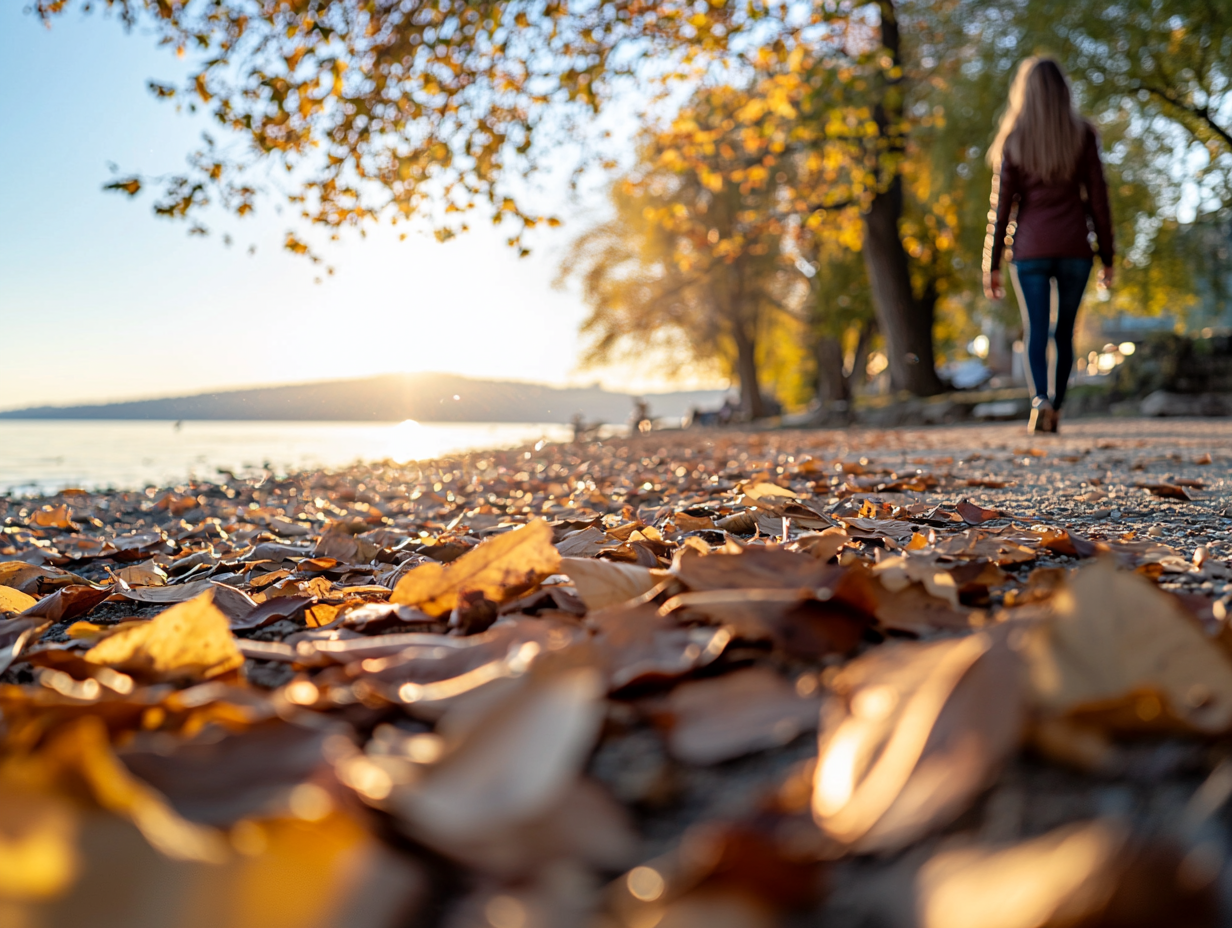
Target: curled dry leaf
<point>1166,491</point>
<point>146,574</point>
<point>601,584</point>
<point>801,622</point>
<point>1063,541</point>
<point>68,602</point>
<point>190,641</point>
<point>508,767</point>
<point>15,634</point>
<point>736,714</point>
<point>638,644</point>
<point>165,595</point>
<point>35,580</point>
<point>916,731</point>
<point>977,515</point>
<point>586,543</point>
<point>501,568</point>
<point>1085,875</point>
<point>1119,649</point>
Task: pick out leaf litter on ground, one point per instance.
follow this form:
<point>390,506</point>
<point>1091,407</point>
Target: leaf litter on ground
<point>623,683</point>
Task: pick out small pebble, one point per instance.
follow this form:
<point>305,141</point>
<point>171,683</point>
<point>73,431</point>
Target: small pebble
<point>1101,513</point>
<point>1115,514</point>
<point>1155,531</point>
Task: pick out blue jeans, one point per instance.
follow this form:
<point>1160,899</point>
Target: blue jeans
<point>1033,282</point>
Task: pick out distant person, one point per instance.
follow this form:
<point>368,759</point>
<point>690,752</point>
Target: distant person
<point>1047,169</point>
<point>640,422</point>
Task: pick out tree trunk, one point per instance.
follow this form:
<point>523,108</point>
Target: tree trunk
<point>906,325</point>
<point>832,385</point>
<point>746,369</point>
<point>859,359</point>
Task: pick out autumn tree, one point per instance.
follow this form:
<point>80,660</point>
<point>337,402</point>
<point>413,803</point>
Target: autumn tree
<point>684,268</point>
<point>373,110</point>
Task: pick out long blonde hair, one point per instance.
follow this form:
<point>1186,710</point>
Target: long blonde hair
<point>1040,132</point>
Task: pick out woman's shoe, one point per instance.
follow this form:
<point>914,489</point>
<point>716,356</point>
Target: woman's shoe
<point>1054,426</point>
<point>1043,416</point>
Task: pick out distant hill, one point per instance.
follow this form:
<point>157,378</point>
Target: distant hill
<point>391,398</point>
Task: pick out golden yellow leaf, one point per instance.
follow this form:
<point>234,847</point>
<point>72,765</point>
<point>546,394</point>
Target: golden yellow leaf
<point>190,640</point>
<point>501,568</point>
<point>12,600</point>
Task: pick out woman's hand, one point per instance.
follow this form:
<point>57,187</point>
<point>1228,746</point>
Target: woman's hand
<point>992,285</point>
<point>1105,277</point>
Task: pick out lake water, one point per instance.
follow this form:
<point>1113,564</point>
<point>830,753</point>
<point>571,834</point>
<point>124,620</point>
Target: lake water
<point>52,455</point>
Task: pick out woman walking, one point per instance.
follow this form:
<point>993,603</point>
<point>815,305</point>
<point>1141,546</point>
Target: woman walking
<point>1047,168</point>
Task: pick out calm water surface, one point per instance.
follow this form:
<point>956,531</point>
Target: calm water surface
<point>51,455</point>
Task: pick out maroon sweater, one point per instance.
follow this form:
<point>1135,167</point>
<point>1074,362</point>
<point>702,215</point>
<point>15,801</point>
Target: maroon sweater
<point>1052,218</point>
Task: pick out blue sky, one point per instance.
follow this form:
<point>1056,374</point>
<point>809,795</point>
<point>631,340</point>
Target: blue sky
<point>99,300</point>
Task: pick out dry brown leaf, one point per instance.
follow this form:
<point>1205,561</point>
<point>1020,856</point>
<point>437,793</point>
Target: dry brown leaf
<point>15,635</point>
<point>601,583</point>
<point>509,766</point>
<point>638,644</point>
<point>176,593</point>
<point>823,545</point>
<point>1116,641</point>
<point>735,714</point>
<point>145,574</point>
<point>68,602</point>
<point>897,573</point>
<point>755,567</point>
<point>32,579</point>
<point>916,732</point>
<point>586,543</point>
<point>976,515</point>
<point>1166,491</point>
<point>796,621</point>
<point>687,523</point>
<point>190,641</point>
<point>501,568</point>
<point>1063,541</point>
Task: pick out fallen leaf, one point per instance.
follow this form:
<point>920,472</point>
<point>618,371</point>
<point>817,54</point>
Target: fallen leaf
<point>1063,541</point>
<point>29,578</point>
<point>586,543</point>
<point>69,602</point>
<point>977,515</point>
<point>601,583</point>
<point>1166,491</point>
<point>146,574</point>
<point>639,644</point>
<point>189,641</point>
<point>755,567</point>
<point>14,601</point>
<point>509,765</point>
<point>916,732</point>
<point>1121,649</point>
<point>796,621</point>
<point>1085,875</point>
<point>501,568</point>
<point>736,714</point>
